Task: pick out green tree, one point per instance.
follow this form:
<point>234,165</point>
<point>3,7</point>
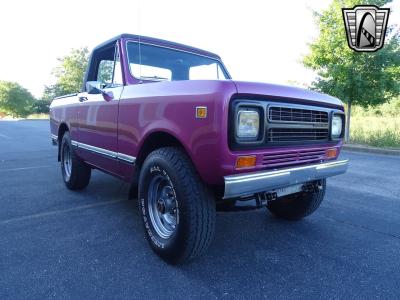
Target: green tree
<point>367,78</point>
<point>15,99</point>
<point>41,106</point>
<point>69,74</point>
<point>53,91</point>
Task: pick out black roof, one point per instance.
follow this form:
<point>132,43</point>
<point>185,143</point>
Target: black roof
<point>156,41</point>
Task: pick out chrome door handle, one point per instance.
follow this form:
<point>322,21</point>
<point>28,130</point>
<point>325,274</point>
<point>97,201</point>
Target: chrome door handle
<point>82,99</point>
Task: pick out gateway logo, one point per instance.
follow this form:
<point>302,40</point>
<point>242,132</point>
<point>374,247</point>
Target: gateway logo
<point>365,27</point>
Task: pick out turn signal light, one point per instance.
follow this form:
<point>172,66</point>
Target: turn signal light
<point>245,162</point>
<point>201,112</point>
<point>331,153</point>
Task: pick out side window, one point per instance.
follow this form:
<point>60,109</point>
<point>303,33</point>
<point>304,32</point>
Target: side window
<point>109,71</point>
<point>105,72</point>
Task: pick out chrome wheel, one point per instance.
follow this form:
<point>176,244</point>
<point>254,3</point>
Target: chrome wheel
<point>67,162</point>
<point>163,207</point>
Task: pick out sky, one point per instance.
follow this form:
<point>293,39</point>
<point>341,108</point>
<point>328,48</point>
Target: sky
<point>258,40</point>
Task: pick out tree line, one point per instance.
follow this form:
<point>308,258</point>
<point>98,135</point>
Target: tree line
<point>364,79</point>
<point>17,101</point>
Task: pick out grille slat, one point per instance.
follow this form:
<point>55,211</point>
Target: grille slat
<point>296,124</point>
<point>296,134</point>
<point>288,159</point>
<point>293,157</point>
<point>288,114</point>
<point>278,156</point>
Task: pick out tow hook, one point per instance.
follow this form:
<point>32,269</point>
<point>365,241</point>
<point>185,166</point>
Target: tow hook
<point>262,199</point>
<point>271,196</point>
<point>313,187</point>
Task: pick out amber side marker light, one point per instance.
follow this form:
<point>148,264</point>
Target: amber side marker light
<point>245,162</point>
<point>331,153</point>
<point>201,112</point>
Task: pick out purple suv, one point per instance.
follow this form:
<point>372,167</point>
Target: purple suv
<point>169,119</point>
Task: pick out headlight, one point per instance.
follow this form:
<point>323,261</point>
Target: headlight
<point>337,125</point>
<point>248,123</point>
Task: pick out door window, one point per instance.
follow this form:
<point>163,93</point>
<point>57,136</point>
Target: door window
<point>106,67</point>
<point>105,72</point>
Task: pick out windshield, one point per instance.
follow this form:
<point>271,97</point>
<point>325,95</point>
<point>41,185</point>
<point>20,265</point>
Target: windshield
<point>157,63</point>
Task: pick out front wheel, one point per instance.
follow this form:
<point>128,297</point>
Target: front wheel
<point>299,205</point>
<point>177,209</point>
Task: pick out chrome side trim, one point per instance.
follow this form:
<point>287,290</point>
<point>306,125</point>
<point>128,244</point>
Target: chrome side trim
<point>98,150</point>
<point>126,158</point>
<point>250,183</point>
<point>105,152</point>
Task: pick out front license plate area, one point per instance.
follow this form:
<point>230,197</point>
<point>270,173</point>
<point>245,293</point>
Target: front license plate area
<point>288,190</point>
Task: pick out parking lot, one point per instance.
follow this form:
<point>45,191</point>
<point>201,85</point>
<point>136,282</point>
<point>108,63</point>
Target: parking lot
<point>56,243</point>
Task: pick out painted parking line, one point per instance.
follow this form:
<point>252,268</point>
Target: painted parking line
<point>5,136</point>
<point>59,212</point>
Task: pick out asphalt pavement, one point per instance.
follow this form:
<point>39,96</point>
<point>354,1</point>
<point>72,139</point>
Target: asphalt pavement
<point>55,243</point>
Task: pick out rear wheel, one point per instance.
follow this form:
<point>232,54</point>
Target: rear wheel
<point>178,210</point>
<point>75,172</point>
<point>299,205</point>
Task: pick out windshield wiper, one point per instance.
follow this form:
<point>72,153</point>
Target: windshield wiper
<point>156,78</point>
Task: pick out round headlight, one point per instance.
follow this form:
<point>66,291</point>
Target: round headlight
<point>248,123</point>
<point>337,125</point>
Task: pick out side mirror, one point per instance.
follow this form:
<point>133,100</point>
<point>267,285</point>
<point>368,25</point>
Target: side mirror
<point>108,96</point>
<point>94,88</point>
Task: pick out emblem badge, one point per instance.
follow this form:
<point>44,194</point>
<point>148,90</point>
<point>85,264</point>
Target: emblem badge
<point>365,27</point>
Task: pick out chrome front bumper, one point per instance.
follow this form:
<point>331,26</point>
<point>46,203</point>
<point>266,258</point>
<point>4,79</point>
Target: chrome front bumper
<point>251,183</point>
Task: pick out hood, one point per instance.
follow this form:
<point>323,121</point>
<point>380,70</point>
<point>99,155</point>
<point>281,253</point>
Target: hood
<point>281,91</point>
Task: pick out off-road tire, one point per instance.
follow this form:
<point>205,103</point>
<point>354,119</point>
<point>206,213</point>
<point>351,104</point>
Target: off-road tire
<point>226,206</point>
<point>297,206</point>
<point>80,172</point>
<point>195,224</point>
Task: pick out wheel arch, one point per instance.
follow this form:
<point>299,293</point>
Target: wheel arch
<point>61,131</point>
<point>155,140</point>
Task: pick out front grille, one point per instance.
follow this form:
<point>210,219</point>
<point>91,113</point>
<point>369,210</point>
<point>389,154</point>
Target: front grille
<point>285,158</point>
<point>289,114</point>
<point>276,135</point>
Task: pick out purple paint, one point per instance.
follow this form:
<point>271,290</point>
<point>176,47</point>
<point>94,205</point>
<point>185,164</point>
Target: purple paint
<point>132,113</point>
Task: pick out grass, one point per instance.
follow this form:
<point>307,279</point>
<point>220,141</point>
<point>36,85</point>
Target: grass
<point>379,126</point>
<point>38,116</point>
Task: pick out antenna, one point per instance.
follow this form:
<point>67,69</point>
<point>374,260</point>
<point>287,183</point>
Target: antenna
<point>140,52</point>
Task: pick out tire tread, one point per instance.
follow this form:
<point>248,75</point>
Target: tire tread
<point>80,173</point>
<point>199,200</point>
